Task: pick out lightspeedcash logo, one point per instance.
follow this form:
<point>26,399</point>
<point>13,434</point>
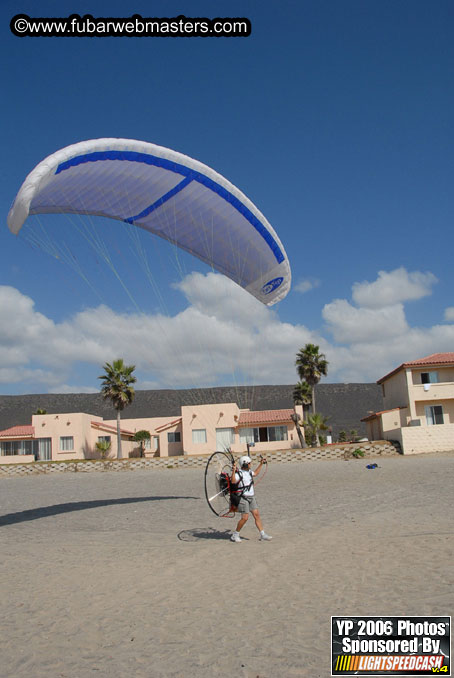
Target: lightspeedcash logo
<point>381,646</point>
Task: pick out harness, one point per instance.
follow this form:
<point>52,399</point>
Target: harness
<point>236,490</point>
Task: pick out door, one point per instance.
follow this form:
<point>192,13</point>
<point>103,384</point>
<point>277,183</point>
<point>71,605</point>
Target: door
<point>224,438</point>
<point>44,449</point>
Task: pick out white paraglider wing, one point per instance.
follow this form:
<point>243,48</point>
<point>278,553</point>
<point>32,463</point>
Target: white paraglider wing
<point>168,194</point>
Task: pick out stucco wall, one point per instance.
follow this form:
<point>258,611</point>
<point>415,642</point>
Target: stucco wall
<point>417,439</point>
<point>374,430</point>
<point>439,393</point>
<point>395,391</point>
<point>445,374</point>
<point>76,425</point>
<point>391,420</point>
<point>209,418</point>
<point>165,449</point>
<point>448,410</point>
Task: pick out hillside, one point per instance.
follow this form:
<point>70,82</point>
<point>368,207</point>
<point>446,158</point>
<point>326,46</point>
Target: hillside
<point>344,404</point>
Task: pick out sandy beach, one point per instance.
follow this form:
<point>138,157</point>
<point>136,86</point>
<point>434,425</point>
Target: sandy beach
<point>129,574</point>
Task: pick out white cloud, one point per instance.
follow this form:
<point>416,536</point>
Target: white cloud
<point>369,361</point>
<point>350,325</point>
<point>66,388</point>
<point>375,332</point>
<point>223,336</point>
<point>17,375</point>
<point>215,295</point>
<point>306,285</point>
<point>393,288</point>
<point>145,385</point>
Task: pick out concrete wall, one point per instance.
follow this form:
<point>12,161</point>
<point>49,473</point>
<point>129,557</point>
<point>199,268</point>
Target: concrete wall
<point>419,439</point>
<point>373,450</point>
<point>17,459</point>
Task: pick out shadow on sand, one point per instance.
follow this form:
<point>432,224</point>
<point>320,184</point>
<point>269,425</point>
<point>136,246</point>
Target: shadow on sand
<point>199,533</point>
<point>57,509</point>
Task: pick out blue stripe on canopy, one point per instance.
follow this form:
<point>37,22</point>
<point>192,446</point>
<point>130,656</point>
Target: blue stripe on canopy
<point>190,174</point>
<point>173,191</point>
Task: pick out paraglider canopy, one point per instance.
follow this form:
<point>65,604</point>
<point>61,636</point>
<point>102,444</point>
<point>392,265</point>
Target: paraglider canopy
<point>168,194</point>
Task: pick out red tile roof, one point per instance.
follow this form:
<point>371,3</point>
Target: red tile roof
<point>376,414</point>
<point>429,361</point>
<point>18,432</point>
<point>110,429</point>
<point>265,417</point>
<point>169,424</point>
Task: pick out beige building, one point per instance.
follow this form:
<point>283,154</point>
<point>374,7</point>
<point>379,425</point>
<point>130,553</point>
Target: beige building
<point>418,412</point>
<point>199,429</point>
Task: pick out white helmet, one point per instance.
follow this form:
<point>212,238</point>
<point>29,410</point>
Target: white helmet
<point>245,460</point>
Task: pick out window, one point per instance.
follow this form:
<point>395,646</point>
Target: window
<point>9,448</point>
<point>147,444</point>
<point>434,414</point>
<point>104,439</point>
<point>247,435</point>
<point>429,377</point>
<point>174,437</point>
<point>264,434</point>
<point>199,435</point>
<point>66,443</point>
<point>224,438</point>
<point>277,433</point>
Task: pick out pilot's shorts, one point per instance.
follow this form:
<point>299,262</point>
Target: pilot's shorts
<point>247,504</point>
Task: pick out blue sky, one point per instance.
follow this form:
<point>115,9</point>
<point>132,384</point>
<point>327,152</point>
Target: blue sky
<point>334,118</point>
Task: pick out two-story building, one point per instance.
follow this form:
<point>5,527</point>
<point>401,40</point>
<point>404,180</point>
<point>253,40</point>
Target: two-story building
<point>418,405</point>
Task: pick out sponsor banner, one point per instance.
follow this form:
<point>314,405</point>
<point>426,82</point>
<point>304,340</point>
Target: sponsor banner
<point>384,646</point>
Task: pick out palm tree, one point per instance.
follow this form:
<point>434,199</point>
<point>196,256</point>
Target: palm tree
<point>297,420</point>
<point>314,424</point>
<point>311,366</point>
<point>117,387</point>
<point>103,446</point>
<point>302,394</point>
